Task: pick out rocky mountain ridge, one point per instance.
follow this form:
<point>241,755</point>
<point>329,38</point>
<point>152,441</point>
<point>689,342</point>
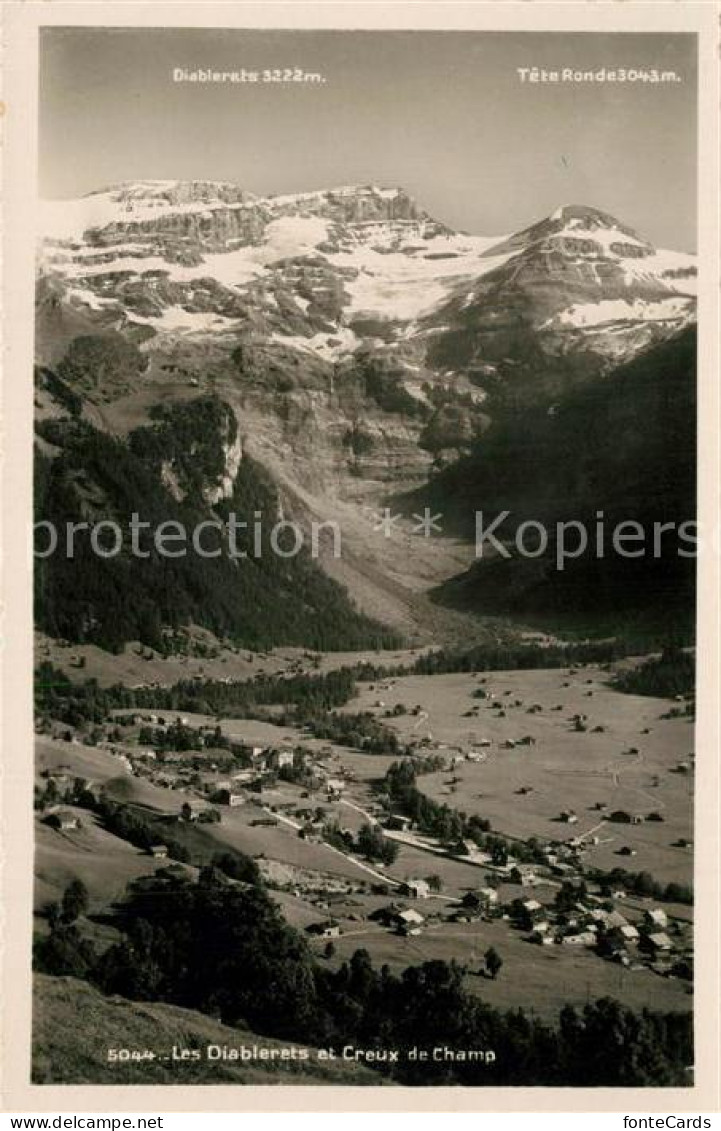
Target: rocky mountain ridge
<point>361,345</point>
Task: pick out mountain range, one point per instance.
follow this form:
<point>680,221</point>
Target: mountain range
<point>361,350</point>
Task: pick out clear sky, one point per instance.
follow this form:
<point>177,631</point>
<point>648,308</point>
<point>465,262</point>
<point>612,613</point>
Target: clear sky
<point>442,114</point>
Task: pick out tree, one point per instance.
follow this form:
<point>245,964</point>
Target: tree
<point>75,901</point>
<point>435,883</point>
<point>493,961</point>
<point>329,950</point>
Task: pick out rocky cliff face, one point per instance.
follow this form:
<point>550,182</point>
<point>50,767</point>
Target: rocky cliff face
<point>359,342</point>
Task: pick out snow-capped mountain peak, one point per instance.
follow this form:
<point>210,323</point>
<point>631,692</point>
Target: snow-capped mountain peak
<point>328,270</point>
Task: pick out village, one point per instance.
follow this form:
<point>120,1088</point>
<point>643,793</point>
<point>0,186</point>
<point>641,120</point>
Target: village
<point>350,870</point>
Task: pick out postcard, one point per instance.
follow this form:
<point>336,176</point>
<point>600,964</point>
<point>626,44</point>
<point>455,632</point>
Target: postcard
<point>361,556</point>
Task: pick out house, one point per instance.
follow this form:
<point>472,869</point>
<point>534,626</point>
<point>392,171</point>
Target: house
<point>417,889</point>
<point>656,918</point>
<point>583,938</point>
<point>158,851</point>
<point>230,797</point>
<point>244,776</point>
<point>616,921</point>
<point>569,817</point>
<point>542,935</point>
<point>527,873</point>
<point>335,787</point>
<point>398,823</point>
<point>65,819</point>
<point>283,758</point>
<point>324,930</point>
<point>409,921</point>
<point>660,942</point>
<point>489,896</point>
<point>480,900</point>
<point>628,934</point>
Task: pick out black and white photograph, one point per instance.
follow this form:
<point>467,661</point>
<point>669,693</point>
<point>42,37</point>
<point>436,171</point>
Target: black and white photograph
<point>366,538</point>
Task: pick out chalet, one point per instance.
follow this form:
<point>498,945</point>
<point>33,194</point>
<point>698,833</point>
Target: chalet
<point>398,823</point>
<point>543,938</point>
<point>659,942</point>
<point>325,930</point>
<point>527,874</point>
<point>614,920</point>
<point>656,918</point>
<point>480,900</point>
<point>533,909</point>
<point>244,776</point>
<point>583,938</point>
<point>627,934</point>
<point>416,889</point>
<point>65,819</point>
<point>488,896</point>
<point>158,851</point>
<point>230,797</point>
<point>409,921</point>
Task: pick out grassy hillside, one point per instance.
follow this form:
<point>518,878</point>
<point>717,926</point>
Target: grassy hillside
<point>74,1025</point>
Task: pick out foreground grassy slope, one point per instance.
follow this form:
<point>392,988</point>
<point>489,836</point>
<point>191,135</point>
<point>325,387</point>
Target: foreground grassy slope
<point>73,1026</point>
